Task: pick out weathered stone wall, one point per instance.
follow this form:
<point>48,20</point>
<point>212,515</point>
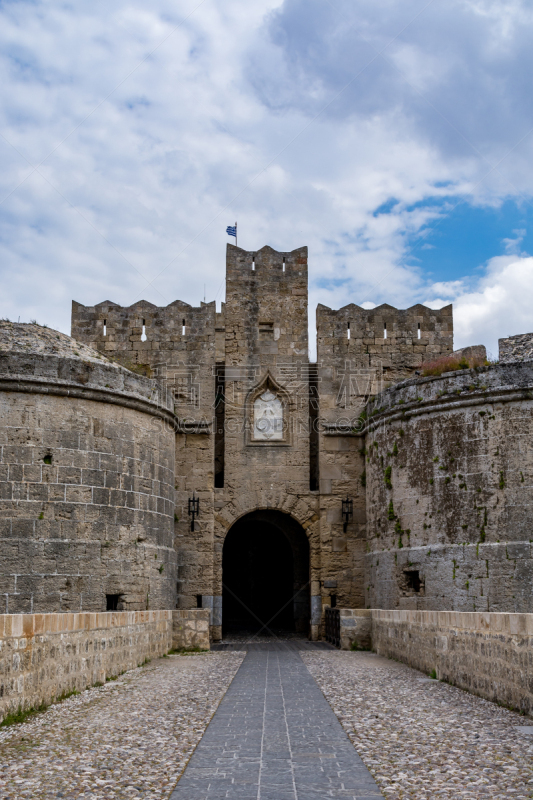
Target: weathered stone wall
<point>490,655</point>
<point>190,629</point>
<point>86,486</point>
<point>43,656</point>
<point>390,340</point>
<point>356,628</point>
<point>179,337</point>
<point>179,349</point>
<point>449,471</point>
<point>516,348</point>
<point>355,360</point>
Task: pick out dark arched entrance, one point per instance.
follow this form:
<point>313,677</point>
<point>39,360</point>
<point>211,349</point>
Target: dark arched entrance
<point>265,575</point>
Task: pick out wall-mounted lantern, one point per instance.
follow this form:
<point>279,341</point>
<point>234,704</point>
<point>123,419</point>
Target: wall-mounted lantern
<point>194,509</point>
<point>347,512</point>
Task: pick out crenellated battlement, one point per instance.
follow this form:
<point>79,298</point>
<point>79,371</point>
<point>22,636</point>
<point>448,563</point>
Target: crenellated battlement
<point>266,263</point>
<point>145,334</point>
<point>394,340</point>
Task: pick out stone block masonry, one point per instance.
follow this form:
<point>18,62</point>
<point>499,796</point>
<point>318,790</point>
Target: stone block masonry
<point>448,492</point>
<point>43,656</point>
<point>516,348</point>
<point>490,655</point>
<point>356,628</point>
<point>87,459</point>
<point>190,629</point>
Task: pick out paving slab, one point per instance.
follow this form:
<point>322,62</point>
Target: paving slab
<point>274,737</point>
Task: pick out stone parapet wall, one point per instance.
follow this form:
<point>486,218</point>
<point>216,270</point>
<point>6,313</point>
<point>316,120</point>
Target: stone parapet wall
<point>43,656</point>
<point>490,655</point>
<point>516,348</point>
<point>356,628</point>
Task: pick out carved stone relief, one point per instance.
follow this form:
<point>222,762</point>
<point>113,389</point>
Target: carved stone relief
<point>268,417</point>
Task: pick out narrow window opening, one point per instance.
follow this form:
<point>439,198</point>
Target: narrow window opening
<point>384,330</point>
<point>112,601</point>
<point>333,601</point>
<point>283,263</point>
<point>313,428</point>
<point>220,420</point>
<point>412,579</point>
<point>143,334</point>
<point>253,261</point>
<point>419,331</point>
<point>348,331</point>
<point>198,601</point>
<point>183,327</point>
<point>105,327</point>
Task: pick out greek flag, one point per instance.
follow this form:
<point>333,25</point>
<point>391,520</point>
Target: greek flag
<point>231,230</point>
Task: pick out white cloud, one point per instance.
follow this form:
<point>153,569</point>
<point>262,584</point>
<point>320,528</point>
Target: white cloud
<point>499,307</point>
<point>157,125</point>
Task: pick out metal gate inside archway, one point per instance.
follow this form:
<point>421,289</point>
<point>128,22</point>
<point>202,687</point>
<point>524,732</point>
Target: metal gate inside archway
<point>265,575</point>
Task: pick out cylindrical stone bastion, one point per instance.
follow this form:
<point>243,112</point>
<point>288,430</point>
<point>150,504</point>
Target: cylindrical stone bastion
<point>449,480</point>
<point>86,479</point>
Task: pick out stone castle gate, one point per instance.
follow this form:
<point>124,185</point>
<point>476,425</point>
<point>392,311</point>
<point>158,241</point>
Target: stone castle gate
<point>98,464</point>
<point>264,435</point>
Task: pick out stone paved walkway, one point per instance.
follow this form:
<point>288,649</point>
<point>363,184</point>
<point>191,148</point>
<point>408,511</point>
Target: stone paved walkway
<point>274,737</point>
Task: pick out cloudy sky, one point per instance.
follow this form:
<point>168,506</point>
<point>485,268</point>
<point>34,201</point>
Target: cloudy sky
<point>394,138</point>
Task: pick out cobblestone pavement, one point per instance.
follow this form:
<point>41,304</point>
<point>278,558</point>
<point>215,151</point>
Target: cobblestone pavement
<point>131,738</point>
<point>424,739</point>
<point>274,737</point>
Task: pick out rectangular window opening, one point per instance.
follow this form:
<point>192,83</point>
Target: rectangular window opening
<point>253,261</point>
<point>220,422</point>
<point>112,602</point>
<point>183,328</point>
<point>313,428</point>
<point>384,330</point>
<point>143,334</point>
<point>283,263</point>
<point>333,601</point>
<point>419,332</point>
<point>348,330</point>
<point>105,327</point>
<point>198,601</point>
<point>412,579</point>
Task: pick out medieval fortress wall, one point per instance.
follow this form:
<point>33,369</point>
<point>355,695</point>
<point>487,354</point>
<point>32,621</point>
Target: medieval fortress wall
<point>106,436</point>
<point>449,472</point>
<point>87,479</point>
<point>359,353</point>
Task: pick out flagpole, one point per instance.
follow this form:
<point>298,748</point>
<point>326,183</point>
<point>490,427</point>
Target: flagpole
<point>235,234</point>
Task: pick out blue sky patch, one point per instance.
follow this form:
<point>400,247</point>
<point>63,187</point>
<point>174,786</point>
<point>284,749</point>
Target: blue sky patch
<point>462,240</point>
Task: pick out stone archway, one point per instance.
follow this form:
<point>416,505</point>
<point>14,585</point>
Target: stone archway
<point>265,575</point>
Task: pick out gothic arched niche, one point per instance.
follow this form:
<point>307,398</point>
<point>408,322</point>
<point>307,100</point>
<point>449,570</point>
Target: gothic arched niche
<point>267,413</point>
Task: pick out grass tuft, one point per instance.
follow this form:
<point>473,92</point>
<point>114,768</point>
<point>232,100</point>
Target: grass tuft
<point>451,364</point>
